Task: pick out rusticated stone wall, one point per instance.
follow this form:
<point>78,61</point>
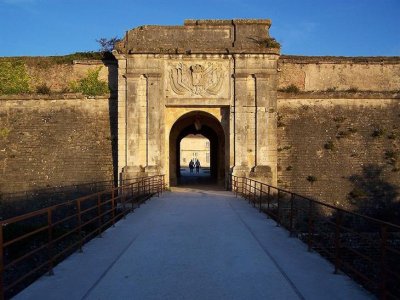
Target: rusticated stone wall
<point>338,148</point>
<point>54,141</point>
<point>58,76</point>
<point>340,73</point>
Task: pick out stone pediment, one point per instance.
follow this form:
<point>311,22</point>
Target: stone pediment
<point>200,36</point>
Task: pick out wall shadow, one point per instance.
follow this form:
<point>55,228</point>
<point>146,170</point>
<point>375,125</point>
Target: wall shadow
<point>112,65</point>
<point>14,204</point>
<point>373,196</point>
<point>113,116</point>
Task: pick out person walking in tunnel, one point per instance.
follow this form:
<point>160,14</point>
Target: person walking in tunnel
<point>197,166</point>
<point>191,166</point>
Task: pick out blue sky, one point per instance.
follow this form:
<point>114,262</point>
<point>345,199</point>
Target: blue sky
<point>303,27</point>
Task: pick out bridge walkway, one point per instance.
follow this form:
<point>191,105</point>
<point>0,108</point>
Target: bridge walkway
<point>195,244</point>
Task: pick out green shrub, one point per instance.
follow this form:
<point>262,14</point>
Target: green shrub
<point>4,132</point>
<point>378,132</point>
<point>352,130</point>
<point>331,89</point>
<point>392,136</point>
<point>90,85</point>
<point>391,156</point>
<point>13,77</point>
<point>43,89</point>
<point>284,148</point>
<point>352,90</point>
<point>311,178</point>
<point>341,134</point>
<point>280,121</point>
<point>339,119</point>
<point>329,145</point>
<point>266,42</point>
<point>290,89</point>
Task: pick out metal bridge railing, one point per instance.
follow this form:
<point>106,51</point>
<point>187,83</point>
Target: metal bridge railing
<point>366,249</point>
<point>33,243</point>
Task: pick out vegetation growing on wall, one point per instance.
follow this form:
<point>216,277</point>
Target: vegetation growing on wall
<point>266,42</point>
<point>90,85</point>
<point>43,89</point>
<point>4,132</point>
<point>311,179</point>
<point>290,89</point>
<point>14,78</point>
<point>48,61</point>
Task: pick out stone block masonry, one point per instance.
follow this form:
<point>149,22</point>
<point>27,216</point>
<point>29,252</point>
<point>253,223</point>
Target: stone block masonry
<point>51,141</point>
<point>329,73</point>
<point>325,143</point>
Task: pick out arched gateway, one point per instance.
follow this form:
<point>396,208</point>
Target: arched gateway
<point>217,78</point>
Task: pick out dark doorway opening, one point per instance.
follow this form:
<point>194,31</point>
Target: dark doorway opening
<point>199,124</point>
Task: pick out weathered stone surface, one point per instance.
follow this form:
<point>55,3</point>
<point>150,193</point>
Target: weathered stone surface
<point>340,73</point>
<point>54,142</point>
<point>335,139</point>
<point>200,36</point>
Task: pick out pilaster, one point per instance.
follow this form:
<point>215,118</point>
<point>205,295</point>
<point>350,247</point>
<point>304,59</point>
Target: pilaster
<point>155,126</point>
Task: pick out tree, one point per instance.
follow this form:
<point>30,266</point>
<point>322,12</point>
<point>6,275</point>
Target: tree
<point>107,45</point>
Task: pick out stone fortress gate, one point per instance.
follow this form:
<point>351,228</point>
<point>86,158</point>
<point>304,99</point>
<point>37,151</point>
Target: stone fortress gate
<point>217,78</point>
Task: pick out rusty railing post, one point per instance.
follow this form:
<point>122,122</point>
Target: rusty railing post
<point>291,214</point>
<point>254,194</point>
<point>235,184</point>
<point>310,225</point>
<point>1,263</point>
<point>99,214</point>
<point>268,200</point>
<point>338,224</point>
<point>50,241</point>
<point>113,206</point>
<point>248,190</point>
<point>158,180</point>
<point>383,291</point>
<point>78,204</point>
<point>123,201</point>
<point>132,193</point>
<point>278,215</point>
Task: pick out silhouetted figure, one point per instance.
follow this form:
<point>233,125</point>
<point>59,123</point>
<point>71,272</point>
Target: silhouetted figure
<point>191,165</point>
<point>197,166</point>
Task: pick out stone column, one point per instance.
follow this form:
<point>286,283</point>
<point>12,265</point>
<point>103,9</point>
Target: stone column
<point>265,168</point>
<point>241,167</point>
<point>122,86</point>
<point>135,126</point>
<point>155,128</point>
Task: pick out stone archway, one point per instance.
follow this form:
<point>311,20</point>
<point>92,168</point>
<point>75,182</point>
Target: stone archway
<point>198,122</point>
<point>215,68</point>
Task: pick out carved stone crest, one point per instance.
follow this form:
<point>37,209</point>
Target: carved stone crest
<point>197,79</point>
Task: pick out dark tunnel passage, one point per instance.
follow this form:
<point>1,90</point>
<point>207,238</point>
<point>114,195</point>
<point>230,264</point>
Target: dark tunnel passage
<point>198,123</point>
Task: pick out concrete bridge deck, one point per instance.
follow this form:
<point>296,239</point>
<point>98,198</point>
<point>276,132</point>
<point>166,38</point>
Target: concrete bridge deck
<point>193,244</point>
